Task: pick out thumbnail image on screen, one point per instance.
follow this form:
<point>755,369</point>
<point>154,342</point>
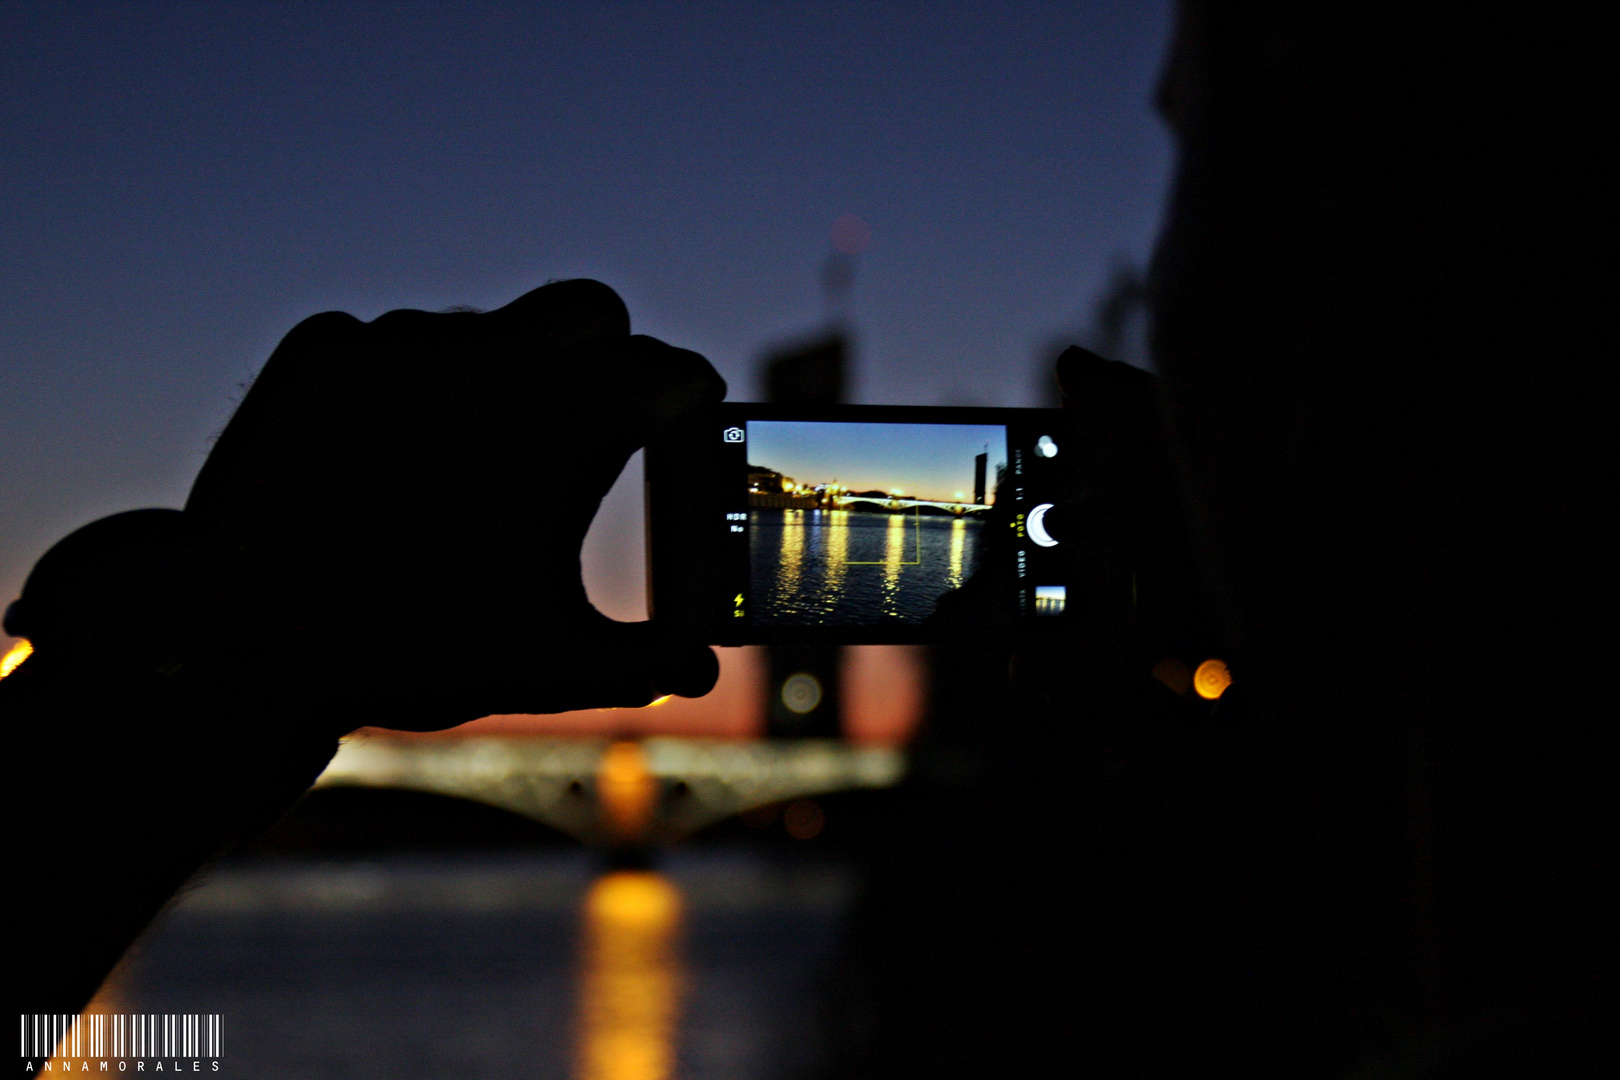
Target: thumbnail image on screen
<point>856,524</point>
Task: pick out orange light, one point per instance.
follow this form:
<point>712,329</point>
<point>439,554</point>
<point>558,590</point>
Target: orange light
<point>634,900</point>
<point>626,790</point>
<point>15,656</point>
<point>631,989</point>
<point>657,702</point>
<point>883,690</point>
<point>1211,679</point>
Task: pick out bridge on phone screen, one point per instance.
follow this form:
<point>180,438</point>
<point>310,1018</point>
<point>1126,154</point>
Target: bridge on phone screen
<point>811,500</point>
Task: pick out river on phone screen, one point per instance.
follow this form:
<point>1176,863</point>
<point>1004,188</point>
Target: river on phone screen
<point>854,568</point>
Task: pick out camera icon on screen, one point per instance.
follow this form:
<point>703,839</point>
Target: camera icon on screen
<point>733,434</point>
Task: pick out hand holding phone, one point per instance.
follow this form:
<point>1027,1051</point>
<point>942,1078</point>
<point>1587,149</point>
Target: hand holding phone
<point>401,505</point>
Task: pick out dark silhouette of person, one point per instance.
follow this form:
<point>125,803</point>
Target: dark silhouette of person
<point>387,532</point>
<point>1386,404</point>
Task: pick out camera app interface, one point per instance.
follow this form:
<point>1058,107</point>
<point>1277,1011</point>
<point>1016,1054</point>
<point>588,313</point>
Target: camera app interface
<point>863,523</point>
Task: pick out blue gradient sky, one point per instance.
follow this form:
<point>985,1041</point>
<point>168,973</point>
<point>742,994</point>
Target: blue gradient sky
<point>924,461</point>
<point>180,184</point>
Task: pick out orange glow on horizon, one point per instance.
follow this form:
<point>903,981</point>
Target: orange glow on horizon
<point>15,655</point>
<point>884,692</point>
<point>1211,679</point>
<point>734,709</point>
<point>884,696</point>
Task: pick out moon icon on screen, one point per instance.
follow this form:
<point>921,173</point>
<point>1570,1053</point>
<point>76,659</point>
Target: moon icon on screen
<point>1036,526</point>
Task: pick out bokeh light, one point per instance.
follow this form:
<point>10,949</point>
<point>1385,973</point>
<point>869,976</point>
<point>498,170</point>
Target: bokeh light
<point>851,235</point>
<point>804,819</point>
<point>1211,679</point>
<point>1173,674</point>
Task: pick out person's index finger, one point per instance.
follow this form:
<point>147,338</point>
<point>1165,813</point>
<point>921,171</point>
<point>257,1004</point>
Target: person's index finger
<point>658,382</point>
<point>563,314</point>
<point>1084,376</point>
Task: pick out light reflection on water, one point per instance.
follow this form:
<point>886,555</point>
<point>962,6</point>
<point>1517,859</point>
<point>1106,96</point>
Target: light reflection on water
<point>842,567</point>
<point>469,965</point>
<point>958,545</point>
<point>629,993</point>
<point>894,552</point>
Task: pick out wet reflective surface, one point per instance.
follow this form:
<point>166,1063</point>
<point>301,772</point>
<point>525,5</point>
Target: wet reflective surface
<point>851,567</point>
<point>713,965</point>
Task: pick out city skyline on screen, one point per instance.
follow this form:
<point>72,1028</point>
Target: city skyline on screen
<point>920,461</point>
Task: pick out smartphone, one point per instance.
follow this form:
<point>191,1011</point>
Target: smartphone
<point>856,524</point>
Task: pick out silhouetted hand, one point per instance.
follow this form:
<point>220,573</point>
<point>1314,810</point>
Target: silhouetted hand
<point>394,515</point>
<point>387,533</point>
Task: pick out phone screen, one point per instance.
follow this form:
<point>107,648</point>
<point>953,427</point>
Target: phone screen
<point>858,524</point>
<point>854,525</point>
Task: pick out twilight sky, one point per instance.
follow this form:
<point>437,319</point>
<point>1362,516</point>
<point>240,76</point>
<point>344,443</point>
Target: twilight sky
<point>924,461</point>
<point>181,183</point>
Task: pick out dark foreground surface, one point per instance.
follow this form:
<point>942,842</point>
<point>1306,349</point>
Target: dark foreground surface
<point>469,966</point>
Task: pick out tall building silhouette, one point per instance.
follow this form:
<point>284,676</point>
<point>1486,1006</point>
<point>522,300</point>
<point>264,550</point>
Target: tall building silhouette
<point>803,682</point>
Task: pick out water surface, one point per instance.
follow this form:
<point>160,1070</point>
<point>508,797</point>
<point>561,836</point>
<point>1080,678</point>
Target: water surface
<point>855,568</point>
